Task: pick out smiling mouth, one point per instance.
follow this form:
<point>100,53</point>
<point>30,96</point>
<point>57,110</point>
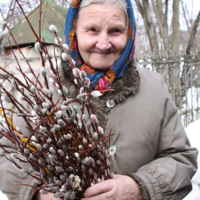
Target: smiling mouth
<point>102,53</point>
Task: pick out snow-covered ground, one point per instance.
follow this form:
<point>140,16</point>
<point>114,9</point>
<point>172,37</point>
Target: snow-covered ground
<point>193,132</point>
<point>3,196</point>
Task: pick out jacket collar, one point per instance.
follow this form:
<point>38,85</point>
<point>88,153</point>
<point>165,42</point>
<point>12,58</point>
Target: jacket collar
<point>123,87</point>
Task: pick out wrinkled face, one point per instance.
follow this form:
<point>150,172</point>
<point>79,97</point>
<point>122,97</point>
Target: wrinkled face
<point>101,35</point>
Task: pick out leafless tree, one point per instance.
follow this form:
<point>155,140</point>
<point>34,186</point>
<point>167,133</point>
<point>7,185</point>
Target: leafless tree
<point>11,11</point>
<point>193,34</point>
<point>165,36</point>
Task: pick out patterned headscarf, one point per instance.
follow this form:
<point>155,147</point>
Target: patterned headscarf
<point>100,80</point>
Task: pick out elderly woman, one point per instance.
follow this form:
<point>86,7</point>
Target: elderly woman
<point>152,155</point>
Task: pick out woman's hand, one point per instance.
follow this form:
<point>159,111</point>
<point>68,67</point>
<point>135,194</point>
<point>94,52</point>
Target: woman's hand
<point>119,188</point>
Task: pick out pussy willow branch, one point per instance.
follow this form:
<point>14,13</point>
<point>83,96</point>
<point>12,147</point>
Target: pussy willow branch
<point>20,51</point>
<point>60,43</point>
<point>17,60</point>
<point>11,75</point>
<point>50,150</point>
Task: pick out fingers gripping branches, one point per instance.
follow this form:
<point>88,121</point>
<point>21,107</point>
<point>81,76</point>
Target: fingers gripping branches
<point>66,145</point>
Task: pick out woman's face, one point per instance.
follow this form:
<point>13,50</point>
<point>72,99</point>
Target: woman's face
<point>101,35</point>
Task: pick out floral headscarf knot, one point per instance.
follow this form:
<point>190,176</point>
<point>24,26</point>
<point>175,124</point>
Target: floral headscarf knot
<point>100,80</point>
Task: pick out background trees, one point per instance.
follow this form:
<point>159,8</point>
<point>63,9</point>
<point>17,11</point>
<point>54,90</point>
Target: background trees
<point>169,25</point>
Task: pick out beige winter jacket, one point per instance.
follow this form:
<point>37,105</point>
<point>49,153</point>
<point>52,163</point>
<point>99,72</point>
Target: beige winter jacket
<point>150,144</point>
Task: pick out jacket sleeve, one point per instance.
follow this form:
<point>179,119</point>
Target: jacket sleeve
<point>12,177</point>
<point>169,175</point>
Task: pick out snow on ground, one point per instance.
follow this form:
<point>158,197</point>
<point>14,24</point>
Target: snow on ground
<point>3,196</point>
<point>193,132</point>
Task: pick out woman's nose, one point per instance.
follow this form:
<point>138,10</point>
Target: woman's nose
<point>103,42</point>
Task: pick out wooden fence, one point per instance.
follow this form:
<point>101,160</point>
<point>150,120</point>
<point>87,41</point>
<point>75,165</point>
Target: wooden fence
<point>182,75</point>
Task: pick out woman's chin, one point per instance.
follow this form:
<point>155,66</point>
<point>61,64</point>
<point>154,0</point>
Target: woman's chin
<point>102,66</point>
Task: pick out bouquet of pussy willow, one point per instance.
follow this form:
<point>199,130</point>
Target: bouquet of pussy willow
<point>66,145</point>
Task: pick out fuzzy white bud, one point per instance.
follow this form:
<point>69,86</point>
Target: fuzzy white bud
<point>45,91</point>
<point>75,81</point>
<point>59,169</point>
<point>94,118</point>
<point>45,57</point>
<point>84,140</point>
<point>88,125</point>
<point>52,150</point>
<point>87,82</point>
<point>81,91</point>
<point>6,98</point>
<point>43,71</point>
<point>66,46</point>
<point>39,147</point>
<point>83,75</point>
<point>100,130</point>
<point>81,95</point>
<point>34,138</point>
<point>18,129</point>
<point>67,137</point>
<point>76,154</point>
<point>95,135</point>
<point>53,28</point>
<point>76,72</point>
<point>36,108</point>
<point>63,107</point>
<point>65,90</point>
<point>96,93</point>
<point>43,129</point>
<point>64,56</point>
<point>61,152</point>
<point>50,167</point>
<point>91,172</point>
<point>13,155</point>
<point>59,114</point>
<point>37,47</point>
<point>26,151</point>
<point>49,140</point>
<point>51,91</point>
<point>61,123</point>
<point>45,105</point>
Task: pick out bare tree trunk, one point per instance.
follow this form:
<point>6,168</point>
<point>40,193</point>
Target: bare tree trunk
<point>159,17</point>
<point>193,33</point>
<point>175,27</point>
<point>165,22</point>
<point>139,7</point>
<point>150,28</point>
<point>185,17</point>
<point>159,7</point>
<point>145,11</point>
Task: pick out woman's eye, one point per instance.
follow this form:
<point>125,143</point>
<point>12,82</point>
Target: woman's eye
<point>115,31</point>
<point>92,29</point>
